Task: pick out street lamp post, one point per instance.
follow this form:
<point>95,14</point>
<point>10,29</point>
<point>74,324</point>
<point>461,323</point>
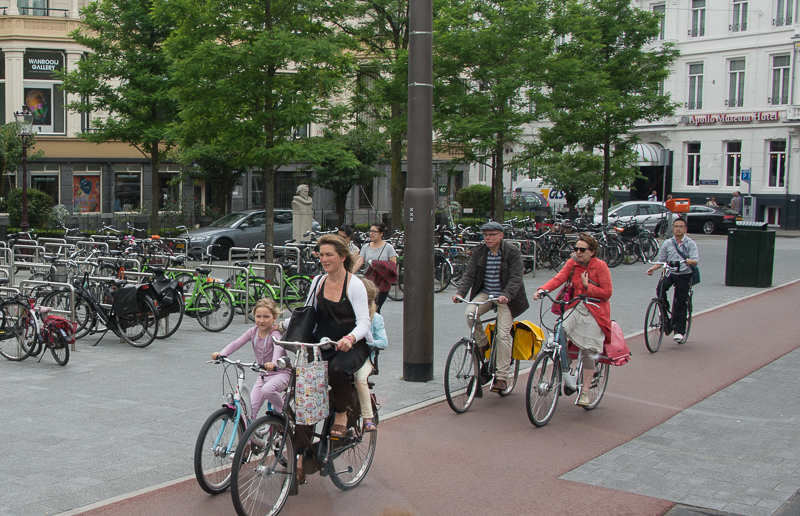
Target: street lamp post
<point>24,121</point>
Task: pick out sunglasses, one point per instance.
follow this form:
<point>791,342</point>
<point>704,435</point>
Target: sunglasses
<point>581,249</point>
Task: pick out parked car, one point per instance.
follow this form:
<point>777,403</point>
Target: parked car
<point>530,201</point>
<point>653,214</point>
<point>710,219</point>
<point>243,229</point>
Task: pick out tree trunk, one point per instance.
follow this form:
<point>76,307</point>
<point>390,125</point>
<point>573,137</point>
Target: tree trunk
<point>398,185</point>
<point>155,190</point>
<point>269,201</point>
<point>606,177</point>
<point>497,182</point>
<point>341,207</point>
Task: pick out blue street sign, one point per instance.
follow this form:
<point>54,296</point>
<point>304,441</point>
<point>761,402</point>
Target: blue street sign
<point>746,174</point>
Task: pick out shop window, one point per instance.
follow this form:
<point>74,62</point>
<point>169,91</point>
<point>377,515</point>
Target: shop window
<point>734,164</point>
<point>45,178</point>
<point>169,183</point>
<point>693,164</point>
<point>42,90</point>
<point>127,186</point>
<point>86,187</point>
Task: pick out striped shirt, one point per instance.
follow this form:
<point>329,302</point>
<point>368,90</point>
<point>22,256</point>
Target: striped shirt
<point>491,279</point>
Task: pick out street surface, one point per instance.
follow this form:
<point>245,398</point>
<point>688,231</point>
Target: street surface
<point>117,419</point>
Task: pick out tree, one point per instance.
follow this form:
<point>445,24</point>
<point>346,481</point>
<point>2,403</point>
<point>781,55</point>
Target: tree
<point>488,53</point>
<point>367,147</point>
<point>574,173</point>
<point>602,80</point>
<point>215,169</point>
<point>126,77</point>
<point>11,153</point>
<point>251,74</point>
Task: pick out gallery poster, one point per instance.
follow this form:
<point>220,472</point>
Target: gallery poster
<point>86,194</point>
<point>40,102</point>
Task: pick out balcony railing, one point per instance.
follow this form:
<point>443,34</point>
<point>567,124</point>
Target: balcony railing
<point>41,11</point>
<point>793,113</point>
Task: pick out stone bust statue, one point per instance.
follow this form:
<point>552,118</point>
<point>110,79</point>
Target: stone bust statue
<point>302,212</point>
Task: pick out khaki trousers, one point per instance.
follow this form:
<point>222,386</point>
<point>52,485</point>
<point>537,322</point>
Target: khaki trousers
<point>503,335</point>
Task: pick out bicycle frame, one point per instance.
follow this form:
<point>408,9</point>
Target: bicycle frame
<point>239,401</point>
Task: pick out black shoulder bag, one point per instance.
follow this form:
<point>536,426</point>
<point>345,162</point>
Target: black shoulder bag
<point>303,321</point>
<point>695,268</point>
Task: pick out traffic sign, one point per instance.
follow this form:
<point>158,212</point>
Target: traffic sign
<point>746,174</point>
<point>443,190</point>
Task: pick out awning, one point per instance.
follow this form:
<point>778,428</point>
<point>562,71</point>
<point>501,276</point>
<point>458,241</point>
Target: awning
<point>649,154</point>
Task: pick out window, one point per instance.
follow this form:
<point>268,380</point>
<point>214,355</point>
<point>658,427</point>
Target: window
<point>127,186</point>
<point>736,84</point>
<point>695,86</point>
<point>365,195</point>
<point>42,91</point>
<point>169,184</point>
<point>734,163</point>
<point>777,163</point>
<point>739,23</point>
<point>257,187</point>
<point>626,211</point>
<point>660,90</point>
<point>257,220</point>
<point>780,80</point>
<point>662,11</point>
<point>2,88</point>
<point>783,13</point>
<point>86,187</point>
<point>482,168</point>
<point>698,19</point>
<point>32,7</point>
<point>44,177</point>
<point>772,215</point>
<point>693,164</point>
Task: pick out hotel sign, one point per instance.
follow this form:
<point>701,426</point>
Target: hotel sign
<point>772,116</point>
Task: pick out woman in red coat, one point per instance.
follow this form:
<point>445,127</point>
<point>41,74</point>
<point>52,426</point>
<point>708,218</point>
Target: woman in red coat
<point>589,327</point>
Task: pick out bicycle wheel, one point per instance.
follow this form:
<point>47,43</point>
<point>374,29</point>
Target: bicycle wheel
<point>396,292</point>
<point>442,272</point>
<point>349,463</point>
<point>459,263</point>
<point>598,385</point>
<point>544,388</point>
<point>216,309</point>
<point>214,450</point>
<point>259,289</point>
<point>688,319</point>
<point>263,469</point>
<point>513,375</point>
<point>59,348</point>
<point>461,377</point>
<point>649,248</point>
<point>59,300</point>
<point>295,292</point>
<point>15,343</point>
<point>654,326</point>
<point>140,329</point>
<point>616,253</point>
<point>170,320</point>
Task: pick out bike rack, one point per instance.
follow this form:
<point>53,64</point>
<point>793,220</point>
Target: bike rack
<point>10,289</point>
<point>225,267</point>
<point>66,286</point>
<point>91,244</point>
<point>279,275</point>
<point>47,243</point>
<point>520,243</point>
<point>178,240</point>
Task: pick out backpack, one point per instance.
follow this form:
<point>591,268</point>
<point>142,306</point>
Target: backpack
<point>59,326</point>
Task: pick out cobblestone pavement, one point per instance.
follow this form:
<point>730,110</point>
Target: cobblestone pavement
<point>118,419</point>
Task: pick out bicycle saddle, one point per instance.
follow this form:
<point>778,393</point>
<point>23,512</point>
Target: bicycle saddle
<point>157,270</point>
<point>177,259</point>
<point>241,264</point>
<point>203,270</point>
<point>115,253</point>
<point>50,259</point>
<point>118,282</point>
<point>4,281</point>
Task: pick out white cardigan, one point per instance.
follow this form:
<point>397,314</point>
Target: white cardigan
<point>357,295</point>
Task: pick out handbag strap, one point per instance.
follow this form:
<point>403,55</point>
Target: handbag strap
<point>675,244</point>
<point>313,289</point>
<point>569,278</point>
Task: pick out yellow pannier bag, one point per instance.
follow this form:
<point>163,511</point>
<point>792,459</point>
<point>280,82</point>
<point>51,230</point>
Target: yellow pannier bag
<point>526,342</point>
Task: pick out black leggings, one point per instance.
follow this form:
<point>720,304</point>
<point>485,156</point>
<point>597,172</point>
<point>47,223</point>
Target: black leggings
<point>341,367</point>
<point>381,299</point>
<point>680,298</point>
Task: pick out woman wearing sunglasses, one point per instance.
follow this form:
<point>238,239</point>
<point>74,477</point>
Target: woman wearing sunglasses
<point>589,327</point>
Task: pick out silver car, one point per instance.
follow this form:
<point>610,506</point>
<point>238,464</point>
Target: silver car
<point>650,213</point>
<point>242,229</point>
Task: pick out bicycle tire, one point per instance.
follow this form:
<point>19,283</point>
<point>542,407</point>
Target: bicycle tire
<point>216,309</point>
<point>355,453</point>
<point>396,292</point>
<point>459,264</point>
<point>140,329</point>
<point>59,348</point>
<point>295,292</point>
<point>511,382</point>
<point>461,377</point>
<point>59,300</point>
<point>259,462</point>
<point>650,248</point>
<point>654,325</point>
<point>616,253</point>
<point>170,320</point>
<point>442,272</point>
<point>259,289</point>
<point>598,385</point>
<point>544,388</point>
<point>14,342</point>
<point>212,458</point>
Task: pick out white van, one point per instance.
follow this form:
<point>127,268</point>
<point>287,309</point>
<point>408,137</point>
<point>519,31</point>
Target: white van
<point>557,198</point>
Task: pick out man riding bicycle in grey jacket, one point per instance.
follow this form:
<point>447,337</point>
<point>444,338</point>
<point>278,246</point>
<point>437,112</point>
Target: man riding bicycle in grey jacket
<point>495,269</point>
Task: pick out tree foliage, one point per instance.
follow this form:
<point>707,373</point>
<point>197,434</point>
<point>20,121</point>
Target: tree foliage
<point>125,78</point>
<point>478,197</point>
<point>367,147</point>
<point>487,55</point>
<point>250,74</point>
<point>602,80</point>
<point>40,208</point>
<point>11,153</point>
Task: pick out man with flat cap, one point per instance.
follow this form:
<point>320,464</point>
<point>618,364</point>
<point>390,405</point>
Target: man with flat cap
<point>495,269</point>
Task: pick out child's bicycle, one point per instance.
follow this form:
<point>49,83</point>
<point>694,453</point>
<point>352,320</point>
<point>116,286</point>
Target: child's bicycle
<point>265,464</point>
<point>545,378</point>
<point>22,322</point>
<point>222,431</point>
<point>658,318</point>
<point>466,371</point>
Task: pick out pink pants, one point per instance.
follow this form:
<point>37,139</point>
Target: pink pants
<point>269,388</point>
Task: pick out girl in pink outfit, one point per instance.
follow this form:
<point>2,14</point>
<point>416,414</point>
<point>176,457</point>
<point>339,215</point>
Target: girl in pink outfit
<point>269,385</point>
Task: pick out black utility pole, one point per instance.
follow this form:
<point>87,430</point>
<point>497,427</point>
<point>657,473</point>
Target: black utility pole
<point>419,200</point>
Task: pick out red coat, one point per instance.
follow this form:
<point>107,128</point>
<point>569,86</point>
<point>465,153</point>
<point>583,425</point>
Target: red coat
<point>601,289</point>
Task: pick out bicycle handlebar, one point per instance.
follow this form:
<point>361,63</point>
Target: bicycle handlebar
<point>490,300</point>
<point>254,366</point>
<point>586,299</point>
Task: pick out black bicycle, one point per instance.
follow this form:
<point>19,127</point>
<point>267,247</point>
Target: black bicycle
<point>658,318</point>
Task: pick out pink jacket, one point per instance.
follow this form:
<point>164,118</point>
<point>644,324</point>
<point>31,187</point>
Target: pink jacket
<point>600,287</point>
<point>264,349</point>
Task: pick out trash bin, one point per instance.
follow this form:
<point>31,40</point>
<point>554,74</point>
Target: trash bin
<point>750,256</point>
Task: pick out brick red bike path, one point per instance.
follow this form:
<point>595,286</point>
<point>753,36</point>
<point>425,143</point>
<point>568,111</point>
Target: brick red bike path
<point>492,459</point>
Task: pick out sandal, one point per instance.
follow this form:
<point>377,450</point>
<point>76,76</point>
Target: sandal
<point>338,431</point>
<point>369,426</point>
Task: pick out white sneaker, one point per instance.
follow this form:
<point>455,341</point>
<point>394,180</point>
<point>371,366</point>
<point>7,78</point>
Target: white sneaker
<point>678,337</point>
<point>583,400</point>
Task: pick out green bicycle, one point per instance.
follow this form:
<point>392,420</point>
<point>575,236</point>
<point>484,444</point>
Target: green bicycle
<point>210,302</point>
<point>249,288</point>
